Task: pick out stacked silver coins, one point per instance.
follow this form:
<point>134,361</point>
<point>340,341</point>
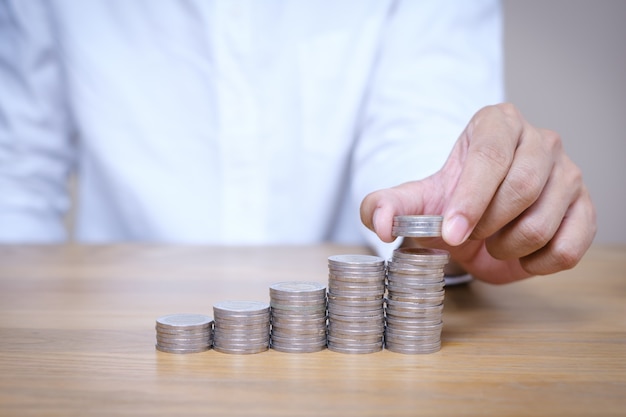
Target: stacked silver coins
<point>184,333</point>
<point>241,327</point>
<point>414,305</point>
<point>356,288</point>
<point>298,316</point>
<point>417,226</point>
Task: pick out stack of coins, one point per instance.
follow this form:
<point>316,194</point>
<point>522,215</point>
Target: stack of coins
<point>184,333</point>
<point>417,226</point>
<point>298,315</point>
<point>356,288</point>
<point>415,293</point>
<point>241,327</point>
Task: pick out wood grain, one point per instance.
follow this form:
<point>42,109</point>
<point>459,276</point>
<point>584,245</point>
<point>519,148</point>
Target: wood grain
<point>77,338</point>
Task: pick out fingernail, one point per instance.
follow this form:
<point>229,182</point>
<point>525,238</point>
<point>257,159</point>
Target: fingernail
<point>456,230</point>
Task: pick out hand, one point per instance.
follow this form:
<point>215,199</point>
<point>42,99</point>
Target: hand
<point>514,204</point>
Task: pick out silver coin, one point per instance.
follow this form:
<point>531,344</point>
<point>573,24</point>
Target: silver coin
<point>237,321</point>
<point>426,226</point>
<point>290,349</point>
<point>351,312</point>
<point>421,253</point>
<point>298,347</point>
<point>241,351</point>
<point>181,351</point>
<point>241,307</point>
<point>355,349</point>
<point>367,291</point>
<point>298,303</point>
<point>403,266</point>
<point>411,322</point>
<point>183,333</point>
<point>254,320</point>
<point>298,287</point>
<point>417,284</point>
<point>288,299</point>
<point>414,350</point>
<point>299,320</point>
<point>357,259</point>
<point>357,286</point>
<point>417,222</point>
<point>358,324</point>
<point>376,323</point>
<point>348,332</point>
<point>186,339</point>
<point>354,338</point>
<point>289,332</point>
<point>297,316</point>
<point>405,233</point>
<point>318,337</point>
<point>184,321</point>
<point>418,218</point>
<point>251,337</point>
<point>419,298</point>
<point>430,299</point>
<point>412,340</point>
<point>361,305</point>
<point>345,280</point>
<point>183,345</point>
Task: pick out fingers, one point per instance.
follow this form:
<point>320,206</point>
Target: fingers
<point>572,239</point>
<point>416,197</point>
<point>532,166</point>
<point>514,205</point>
<point>537,225</point>
<point>489,143</point>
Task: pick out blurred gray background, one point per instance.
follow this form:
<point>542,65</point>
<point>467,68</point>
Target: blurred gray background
<point>566,71</point>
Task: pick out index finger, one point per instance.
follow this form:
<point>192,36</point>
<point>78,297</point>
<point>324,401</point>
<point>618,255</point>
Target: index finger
<point>487,148</point>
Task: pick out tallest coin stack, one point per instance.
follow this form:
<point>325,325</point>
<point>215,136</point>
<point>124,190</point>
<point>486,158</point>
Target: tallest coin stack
<point>415,289</point>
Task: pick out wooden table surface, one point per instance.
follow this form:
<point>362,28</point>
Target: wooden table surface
<point>77,338</point>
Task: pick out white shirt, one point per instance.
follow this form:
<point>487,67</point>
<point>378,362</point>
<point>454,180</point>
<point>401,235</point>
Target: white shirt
<point>230,122</point>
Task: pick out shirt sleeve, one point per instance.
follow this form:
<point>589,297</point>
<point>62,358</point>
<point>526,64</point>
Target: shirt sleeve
<point>35,145</point>
<point>440,62</point>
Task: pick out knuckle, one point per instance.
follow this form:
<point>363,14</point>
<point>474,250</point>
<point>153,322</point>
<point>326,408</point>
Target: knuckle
<point>565,255</point>
<point>552,139</point>
<point>524,185</point>
<point>493,155</point>
<point>506,112</point>
<point>509,110</point>
<point>535,234</point>
<point>576,177</point>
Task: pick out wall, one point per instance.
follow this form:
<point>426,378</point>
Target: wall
<point>566,70</point>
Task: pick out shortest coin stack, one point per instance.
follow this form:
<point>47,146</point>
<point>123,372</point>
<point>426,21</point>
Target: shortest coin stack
<point>241,327</point>
<point>184,333</point>
<point>298,316</point>
<point>417,226</point>
<point>415,294</point>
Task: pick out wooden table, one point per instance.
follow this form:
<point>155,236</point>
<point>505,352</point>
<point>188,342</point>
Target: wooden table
<point>77,338</point>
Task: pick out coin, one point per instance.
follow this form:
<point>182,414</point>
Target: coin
<point>414,301</point>
<point>184,321</point>
<point>356,288</point>
<point>241,327</point>
<point>183,333</point>
<point>417,226</point>
<point>298,310</point>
